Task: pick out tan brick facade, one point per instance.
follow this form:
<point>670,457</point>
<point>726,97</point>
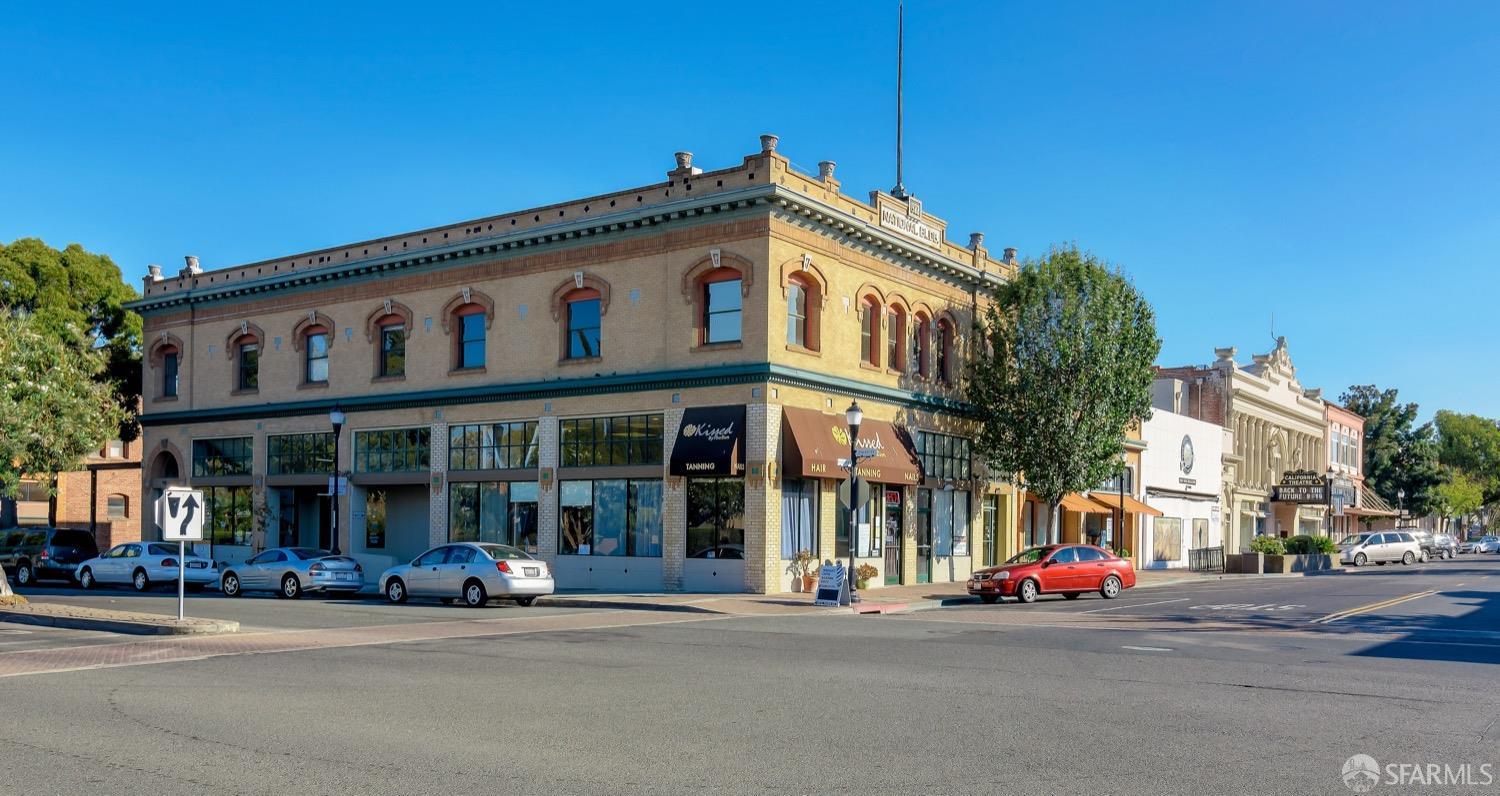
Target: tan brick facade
<point>104,496</point>
<point>645,255</point>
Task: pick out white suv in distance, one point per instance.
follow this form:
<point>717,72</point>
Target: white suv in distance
<point>1380,547</point>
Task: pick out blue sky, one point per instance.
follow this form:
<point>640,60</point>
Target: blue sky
<point>1333,165</point>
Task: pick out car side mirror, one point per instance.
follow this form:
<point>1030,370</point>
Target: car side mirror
<point>1047,563</point>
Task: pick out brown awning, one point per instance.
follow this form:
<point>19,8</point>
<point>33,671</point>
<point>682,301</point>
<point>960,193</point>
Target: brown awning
<point>815,442</point>
<point>1076,502</point>
<point>1111,501</point>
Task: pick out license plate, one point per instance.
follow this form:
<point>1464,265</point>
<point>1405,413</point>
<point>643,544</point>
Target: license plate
<point>344,575</point>
<point>531,572</point>
<point>197,564</point>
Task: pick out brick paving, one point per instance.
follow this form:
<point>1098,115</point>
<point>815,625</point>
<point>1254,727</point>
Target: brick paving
<point>137,653</point>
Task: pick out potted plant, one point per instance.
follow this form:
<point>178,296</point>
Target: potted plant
<point>862,575</point>
<point>803,566</point>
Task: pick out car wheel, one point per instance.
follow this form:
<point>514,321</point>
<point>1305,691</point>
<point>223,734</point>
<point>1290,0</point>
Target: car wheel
<point>230,585</point>
<point>24,575</point>
<point>291,588</point>
<point>989,599</point>
<point>1072,595</point>
<point>86,579</point>
<point>525,602</point>
<point>1110,588</point>
<point>140,580</point>
<point>1361,559</point>
<point>395,590</point>
<point>474,595</point>
<point>1408,559</point>
<point>1026,592</point>
<point>1425,557</point>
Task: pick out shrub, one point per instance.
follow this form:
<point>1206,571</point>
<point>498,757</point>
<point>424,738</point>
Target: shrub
<point>1270,545</point>
<point>1303,545</point>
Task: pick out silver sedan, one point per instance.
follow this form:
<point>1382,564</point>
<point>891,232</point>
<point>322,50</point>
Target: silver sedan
<point>290,571</point>
<point>475,572</point>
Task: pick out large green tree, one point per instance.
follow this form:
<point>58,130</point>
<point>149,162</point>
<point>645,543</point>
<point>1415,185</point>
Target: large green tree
<point>1470,444</point>
<point>1458,495</point>
<point>1399,454</point>
<point>53,409</point>
<point>78,298</point>
<point>1065,369</point>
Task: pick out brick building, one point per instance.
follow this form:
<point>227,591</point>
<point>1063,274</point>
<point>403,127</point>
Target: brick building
<point>646,388</point>
<point>102,496</point>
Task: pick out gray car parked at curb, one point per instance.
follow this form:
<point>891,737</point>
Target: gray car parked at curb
<point>475,572</point>
<point>290,571</point>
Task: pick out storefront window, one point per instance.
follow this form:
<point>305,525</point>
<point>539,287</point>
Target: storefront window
<point>991,524</point>
<point>716,518</point>
<point>867,544</point>
<point>504,513</point>
<point>297,454</point>
<point>950,522</point>
<point>799,517</point>
<point>601,441</point>
<point>229,514</point>
<point>391,450</point>
<point>229,456</point>
<point>492,446</point>
<point>375,519</point>
<point>943,456</point>
<point>612,517</point>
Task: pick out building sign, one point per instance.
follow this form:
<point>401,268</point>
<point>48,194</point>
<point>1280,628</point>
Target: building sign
<point>819,448</point>
<point>833,589</point>
<point>709,441</point>
<point>1186,455</point>
<point>1301,486</point>
<point>908,220</point>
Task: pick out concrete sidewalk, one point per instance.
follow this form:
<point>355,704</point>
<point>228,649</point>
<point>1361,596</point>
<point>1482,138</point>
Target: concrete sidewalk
<point>885,599</point>
<point>82,618</point>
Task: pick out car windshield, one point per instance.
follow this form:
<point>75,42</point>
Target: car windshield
<point>1354,540</point>
<point>1030,555</point>
<point>308,553</point>
<point>501,552</point>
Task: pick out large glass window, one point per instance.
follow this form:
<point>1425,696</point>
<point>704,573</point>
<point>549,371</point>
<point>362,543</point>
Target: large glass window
<point>716,518</point>
<point>227,456</point>
<point>503,513</point>
<point>493,446</point>
<point>471,341</point>
<point>950,522</point>
<point>612,517</point>
<point>622,440</point>
<point>229,514</point>
<point>247,360</point>
<point>397,450</point>
<point>721,311</point>
<point>799,517</point>
<point>169,367</point>
<point>796,315</point>
<point>299,454</point>
<point>943,456</point>
<point>393,350</point>
<point>375,502</point>
<point>583,328</point>
<point>317,358</point>
<point>1112,484</point>
<point>1166,539</point>
<point>868,541</point>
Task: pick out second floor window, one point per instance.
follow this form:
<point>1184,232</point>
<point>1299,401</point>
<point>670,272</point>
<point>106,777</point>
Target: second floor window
<point>247,359</point>
<point>169,367</point>
<point>796,315</point>
<point>895,339</point>
<point>317,358</point>
<point>583,325</point>
<point>945,351</point>
<point>922,362</point>
<point>869,332</point>
<point>721,311</point>
<point>471,341</point>
<point>393,350</point>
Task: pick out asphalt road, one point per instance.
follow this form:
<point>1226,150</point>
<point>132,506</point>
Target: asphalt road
<point>1211,688</point>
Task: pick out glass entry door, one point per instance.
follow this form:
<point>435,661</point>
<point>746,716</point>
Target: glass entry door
<point>892,537</point>
<point>924,535</point>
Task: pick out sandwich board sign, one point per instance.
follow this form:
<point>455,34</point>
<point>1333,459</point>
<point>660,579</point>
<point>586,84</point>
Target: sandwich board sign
<point>833,587</point>
<point>179,514</point>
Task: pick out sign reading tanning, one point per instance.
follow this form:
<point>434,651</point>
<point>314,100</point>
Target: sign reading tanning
<point>709,441</point>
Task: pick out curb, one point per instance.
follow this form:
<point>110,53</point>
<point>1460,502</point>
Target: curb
<point>569,602</point>
<point>190,627</point>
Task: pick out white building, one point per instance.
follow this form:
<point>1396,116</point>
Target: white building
<point>1182,473</point>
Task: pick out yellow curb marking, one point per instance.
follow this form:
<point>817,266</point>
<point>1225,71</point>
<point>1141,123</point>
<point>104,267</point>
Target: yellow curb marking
<point>1376,606</point>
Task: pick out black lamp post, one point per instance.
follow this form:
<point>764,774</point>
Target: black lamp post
<point>854,415</point>
<point>336,417</point>
<point>1400,506</point>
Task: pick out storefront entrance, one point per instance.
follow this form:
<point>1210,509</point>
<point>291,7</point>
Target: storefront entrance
<point>303,519</point>
<point>924,535</point>
<point>892,537</point>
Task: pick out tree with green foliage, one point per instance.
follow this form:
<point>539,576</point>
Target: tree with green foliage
<point>1398,454</point>
<point>1458,495</point>
<point>1470,444</point>
<point>53,409</point>
<point>78,298</point>
<point>1064,369</point>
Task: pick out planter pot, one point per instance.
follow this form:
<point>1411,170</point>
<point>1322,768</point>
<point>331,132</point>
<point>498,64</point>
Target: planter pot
<point>1286,564</point>
<point>809,583</point>
<point>862,584</point>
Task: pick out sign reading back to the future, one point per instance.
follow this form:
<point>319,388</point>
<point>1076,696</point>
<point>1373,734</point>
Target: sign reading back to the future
<point>1301,486</point>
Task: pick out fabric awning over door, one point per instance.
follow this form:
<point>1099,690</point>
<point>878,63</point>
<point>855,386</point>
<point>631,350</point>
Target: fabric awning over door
<point>710,442</point>
<point>1132,506</point>
<point>818,441</point>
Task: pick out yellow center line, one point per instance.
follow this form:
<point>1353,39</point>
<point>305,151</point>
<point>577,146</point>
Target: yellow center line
<point>1376,606</point>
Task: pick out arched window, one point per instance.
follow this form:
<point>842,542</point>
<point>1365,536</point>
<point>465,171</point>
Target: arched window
<point>922,366</point>
<point>118,507</point>
<point>468,326</point>
<point>721,306</point>
<point>583,317</point>
<point>804,303</point>
<point>945,351</point>
<point>869,331</point>
<point>247,363</point>
<point>392,351</point>
<point>315,354</point>
<point>170,367</point>
<point>895,338</point>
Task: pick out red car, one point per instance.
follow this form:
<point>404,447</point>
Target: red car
<point>1066,569</point>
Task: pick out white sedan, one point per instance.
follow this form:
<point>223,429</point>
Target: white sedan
<point>146,564</point>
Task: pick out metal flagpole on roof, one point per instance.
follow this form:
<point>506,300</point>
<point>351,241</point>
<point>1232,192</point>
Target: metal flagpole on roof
<point>900,190</point>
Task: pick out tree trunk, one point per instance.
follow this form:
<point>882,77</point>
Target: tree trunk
<point>52,503</point>
<point>1054,524</point>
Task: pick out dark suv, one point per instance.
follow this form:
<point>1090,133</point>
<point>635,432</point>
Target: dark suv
<point>34,554</point>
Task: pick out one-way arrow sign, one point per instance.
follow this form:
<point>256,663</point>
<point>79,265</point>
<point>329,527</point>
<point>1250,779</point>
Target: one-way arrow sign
<point>178,514</point>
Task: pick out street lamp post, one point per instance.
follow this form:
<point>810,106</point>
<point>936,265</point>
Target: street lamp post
<point>854,415</point>
<point>1400,506</point>
<point>336,417</point>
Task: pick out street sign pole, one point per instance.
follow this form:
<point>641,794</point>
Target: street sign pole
<point>179,514</point>
<point>181,576</point>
